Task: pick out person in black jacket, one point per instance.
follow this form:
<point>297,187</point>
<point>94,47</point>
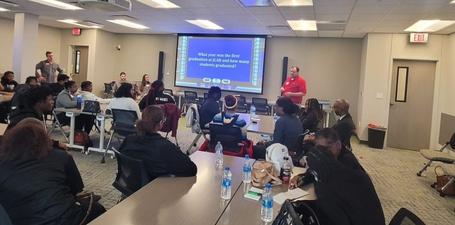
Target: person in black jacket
<point>345,125</point>
<point>155,96</point>
<point>7,81</point>
<point>60,85</point>
<point>38,185</point>
<point>210,107</point>
<point>18,97</point>
<point>312,115</point>
<point>160,156</point>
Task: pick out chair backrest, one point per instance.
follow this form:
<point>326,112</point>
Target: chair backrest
<point>405,217</point>
<point>452,141</point>
<point>108,88</point>
<point>229,136</point>
<point>241,99</point>
<point>131,174</point>
<point>259,101</point>
<point>190,95</point>
<point>124,121</point>
<point>169,92</point>
<point>206,95</point>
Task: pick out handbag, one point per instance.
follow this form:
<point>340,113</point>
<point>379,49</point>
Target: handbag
<point>441,180</point>
<point>296,213</point>
<point>81,138</point>
<point>264,172</point>
<point>91,106</point>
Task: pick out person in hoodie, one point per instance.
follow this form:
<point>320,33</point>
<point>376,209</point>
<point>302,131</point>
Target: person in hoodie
<point>37,101</point>
<point>160,156</point>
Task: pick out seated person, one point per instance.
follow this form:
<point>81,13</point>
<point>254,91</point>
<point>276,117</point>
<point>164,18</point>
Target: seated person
<point>21,89</point>
<point>37,102</point>
<point>345,196</point>
<point>8,82</point>
<point>210,107</point>
<point>156,96</point>
<point>123,79</point>
<point>86,93</point>
<point>312,115</point>
<point>145,84</point>
<point>345,125</point>
<point>160,156</point>
<point>287,128</point>
<point>123,99</point>
<point>230,104</point>
<point>67,99</point>
<point>39,184</point>
<point>60,85</point>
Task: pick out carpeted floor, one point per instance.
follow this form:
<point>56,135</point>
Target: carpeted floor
<point>393,173</point>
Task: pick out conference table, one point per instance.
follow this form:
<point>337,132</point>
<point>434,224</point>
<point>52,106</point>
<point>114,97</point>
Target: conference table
<point>6,96</point>
<point>190,200</point>
<point>260,124</point>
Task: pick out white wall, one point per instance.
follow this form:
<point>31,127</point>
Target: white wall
<point>381,50</point>
<point>6,44</point>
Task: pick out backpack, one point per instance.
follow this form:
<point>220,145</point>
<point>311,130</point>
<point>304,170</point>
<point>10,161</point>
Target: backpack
<point>192,118</point>
<point>296,213</point>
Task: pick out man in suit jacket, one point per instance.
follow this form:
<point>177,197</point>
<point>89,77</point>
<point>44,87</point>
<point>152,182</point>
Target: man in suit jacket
<point>344,126</point>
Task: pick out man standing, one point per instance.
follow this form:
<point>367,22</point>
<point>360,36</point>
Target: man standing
<point>46,70</point>
<point>294,86</point>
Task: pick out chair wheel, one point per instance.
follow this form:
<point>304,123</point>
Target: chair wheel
<point>442,195</point>
<point>86,152</point>
<point>419,174</point>
<point>112,156</point>
<point>433,185</point>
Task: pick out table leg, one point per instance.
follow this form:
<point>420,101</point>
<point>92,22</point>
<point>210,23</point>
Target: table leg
<point>327,119</point>
<point>72,126</point>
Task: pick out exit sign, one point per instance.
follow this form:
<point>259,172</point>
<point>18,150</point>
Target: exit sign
<point>418,37</point>
<point>76,31</point>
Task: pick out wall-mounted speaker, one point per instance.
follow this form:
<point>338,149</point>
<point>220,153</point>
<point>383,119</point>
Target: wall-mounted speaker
<point>161,65</point>
<point>284,71</point>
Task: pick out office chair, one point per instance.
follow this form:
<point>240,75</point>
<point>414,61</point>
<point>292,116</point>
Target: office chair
<point>131,174</point>
<point>108,90</point>
<point>123,125</point>
<point>169,92</point>
<point>405,217</point>
<point>438,155</point>
<point>262,106</point>
<point>242,106</point>
<point>193,122</point>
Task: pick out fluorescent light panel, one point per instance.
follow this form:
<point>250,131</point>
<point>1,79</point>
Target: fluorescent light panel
<point>429,25</point>
<point>77,23</point>
<point>293,3</point>
<point>57,4</point>
<point>452,2</point>
<point>128,23</point>
<point>305,25</point>
<point>206,24</point>
<point>3,9</point>
<point>256,3</point>
<point>163,4</point>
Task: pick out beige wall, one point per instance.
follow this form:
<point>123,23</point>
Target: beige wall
<point>381,50</point>
<point>107,60</point>
<point>6,44</point>
<point>48,40</point>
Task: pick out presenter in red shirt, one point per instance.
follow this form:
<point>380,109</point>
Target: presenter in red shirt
<point>294,86</point>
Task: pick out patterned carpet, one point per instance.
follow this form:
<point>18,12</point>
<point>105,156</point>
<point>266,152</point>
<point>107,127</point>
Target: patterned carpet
<point>393,173</point>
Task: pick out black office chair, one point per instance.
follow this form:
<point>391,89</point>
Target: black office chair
<point>108,90</point>
<point>242,106</point>
<point>206,95</point>
<point>405,217</point>
<point>189,97</point>
<point>262,106</point>
<point>123,125</point>
<point>131,174</point>
<point>230,138</point>
<point>169,92</point>
<point>4,218</point>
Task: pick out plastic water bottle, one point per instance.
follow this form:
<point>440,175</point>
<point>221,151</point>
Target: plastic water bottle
<point>219,155</point>
<point>226,184</point>
<point>247,170</point>
<point>267,204</point>
<point>78,101</point>
<point>252,111</point>
<point>286,170</point>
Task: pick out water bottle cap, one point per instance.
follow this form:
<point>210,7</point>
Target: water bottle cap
<point>247,156</point>
<point>227,168</point>
<point>268,185</point>
<point>218,142</point>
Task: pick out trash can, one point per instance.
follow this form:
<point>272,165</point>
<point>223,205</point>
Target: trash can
<point>376,136</point>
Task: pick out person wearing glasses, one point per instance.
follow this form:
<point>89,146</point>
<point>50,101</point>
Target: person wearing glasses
<point>160,156</point>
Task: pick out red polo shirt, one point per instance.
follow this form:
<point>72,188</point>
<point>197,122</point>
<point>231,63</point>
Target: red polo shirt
<point>297,84</point>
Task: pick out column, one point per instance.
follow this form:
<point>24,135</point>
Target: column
<point>25,45</point>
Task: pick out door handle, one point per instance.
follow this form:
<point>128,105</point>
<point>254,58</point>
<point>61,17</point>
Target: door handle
<point>392,104</point>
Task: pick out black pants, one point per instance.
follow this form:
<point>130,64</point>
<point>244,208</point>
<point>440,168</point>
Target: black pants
<point>83,122</point>
<point>96,210</point>
<point>73,177</point>
<point>260,150</point>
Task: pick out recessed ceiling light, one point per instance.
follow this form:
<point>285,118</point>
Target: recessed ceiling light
<point>57,4</point>
<point>429,25</point>
<point>77,23</point>
<point>293,3</point>
<point>452,2</point>
<point>305,25</point>
<point>128,23</point>
<point>164,4</point>
<point>3,9</point>
<point>206,24</point>
<point>256,3</point>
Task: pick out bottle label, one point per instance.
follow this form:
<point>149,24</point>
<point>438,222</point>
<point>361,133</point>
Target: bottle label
<point>246,169</point>
<point>226,182</point>
<point>267,203</point>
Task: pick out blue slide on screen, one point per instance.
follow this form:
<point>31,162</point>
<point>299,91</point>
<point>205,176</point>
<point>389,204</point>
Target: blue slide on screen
<point>234,63</point>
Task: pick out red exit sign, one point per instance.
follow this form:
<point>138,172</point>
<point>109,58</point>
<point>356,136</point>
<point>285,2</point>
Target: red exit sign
<point>76,31</point>
<point>418,37</point>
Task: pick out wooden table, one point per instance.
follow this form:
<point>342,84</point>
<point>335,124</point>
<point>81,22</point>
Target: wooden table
<point>3,127</point>
<point>6,96</point>
<point>178,200</point>
<point>242,211</point>
<point>264,125</point>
